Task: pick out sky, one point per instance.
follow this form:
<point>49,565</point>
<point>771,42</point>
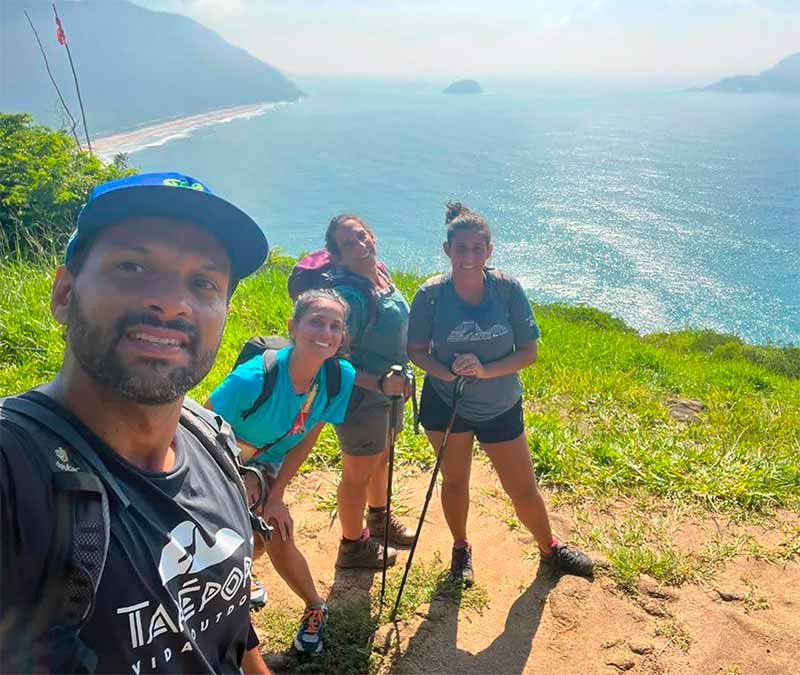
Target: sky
<point>684,40</point>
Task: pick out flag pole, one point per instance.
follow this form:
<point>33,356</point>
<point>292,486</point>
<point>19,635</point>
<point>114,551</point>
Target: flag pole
<point>52,79</point>
<point>62,36</point>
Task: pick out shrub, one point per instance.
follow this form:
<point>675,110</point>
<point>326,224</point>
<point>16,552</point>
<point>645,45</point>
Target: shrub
<point>44,179</point>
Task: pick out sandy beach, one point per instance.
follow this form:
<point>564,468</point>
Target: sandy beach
<point>179,127</point>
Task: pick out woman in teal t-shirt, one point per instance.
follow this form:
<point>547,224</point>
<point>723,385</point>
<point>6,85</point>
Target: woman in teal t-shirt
<point>278,436</point>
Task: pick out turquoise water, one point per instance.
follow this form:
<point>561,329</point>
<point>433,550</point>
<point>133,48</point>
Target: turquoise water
<point>668,210</point>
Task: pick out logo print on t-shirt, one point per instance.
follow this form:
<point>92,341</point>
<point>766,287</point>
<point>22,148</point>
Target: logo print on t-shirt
<point>187,552</point>
<point>470,331</point>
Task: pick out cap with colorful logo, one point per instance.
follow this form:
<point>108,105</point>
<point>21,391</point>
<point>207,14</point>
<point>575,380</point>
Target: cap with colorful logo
<point>174,195</point>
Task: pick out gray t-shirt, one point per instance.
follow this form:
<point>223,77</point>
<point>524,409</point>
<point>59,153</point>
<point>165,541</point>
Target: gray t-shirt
<point>175,592</point>
<point>491,330</point>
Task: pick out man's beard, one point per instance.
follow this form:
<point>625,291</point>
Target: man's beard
<point>156,382</point>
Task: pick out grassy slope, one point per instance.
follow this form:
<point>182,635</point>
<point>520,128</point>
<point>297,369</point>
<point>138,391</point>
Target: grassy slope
<point>596,402</point>
<point>598,427</point>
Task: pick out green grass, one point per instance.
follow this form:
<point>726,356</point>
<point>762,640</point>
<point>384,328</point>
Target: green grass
<point>598,427</point>
<point>595,404</point>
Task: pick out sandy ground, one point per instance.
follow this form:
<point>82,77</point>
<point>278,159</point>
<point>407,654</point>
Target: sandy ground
<point>743,620</point>
<point>158,134</point>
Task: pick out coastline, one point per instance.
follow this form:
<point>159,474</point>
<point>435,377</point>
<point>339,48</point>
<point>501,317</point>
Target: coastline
<point>180,127</point>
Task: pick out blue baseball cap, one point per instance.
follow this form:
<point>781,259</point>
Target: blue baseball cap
<point>173,195</point>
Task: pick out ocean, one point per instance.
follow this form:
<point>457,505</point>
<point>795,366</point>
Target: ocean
<point>667,209</point>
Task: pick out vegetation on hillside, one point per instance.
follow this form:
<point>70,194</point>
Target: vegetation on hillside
<point>44,180</point>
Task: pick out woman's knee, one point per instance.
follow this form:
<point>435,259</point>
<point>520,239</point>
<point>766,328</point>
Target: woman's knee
<point>278,547</point>
<point>356,471</point>
<point>456,485</point>
<point>524,495</point>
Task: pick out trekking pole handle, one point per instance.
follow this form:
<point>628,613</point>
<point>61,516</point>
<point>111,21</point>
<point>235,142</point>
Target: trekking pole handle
<point>458,389</point>
<point>397,371</point>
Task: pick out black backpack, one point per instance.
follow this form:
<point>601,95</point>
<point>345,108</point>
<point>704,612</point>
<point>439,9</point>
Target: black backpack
<point>268,345</point>
<point>82,487</point>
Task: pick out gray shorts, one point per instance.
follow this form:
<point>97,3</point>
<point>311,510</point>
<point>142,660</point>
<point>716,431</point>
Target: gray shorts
<point>365,429</point>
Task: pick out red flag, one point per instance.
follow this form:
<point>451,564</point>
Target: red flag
<point>60,34</point>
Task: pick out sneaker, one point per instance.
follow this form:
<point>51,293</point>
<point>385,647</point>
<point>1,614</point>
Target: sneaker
<point>566,560</point>
<point>461,565</point>
<point>258,595</point>
<point>364,553</point>
<point>308,638</point>
<point>399,534</point>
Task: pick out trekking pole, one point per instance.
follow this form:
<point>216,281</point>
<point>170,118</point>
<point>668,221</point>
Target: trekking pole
<point>397,403</point>
<point>458,391</point>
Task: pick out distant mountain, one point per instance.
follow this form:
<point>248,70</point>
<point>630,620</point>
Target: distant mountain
<point>782,77</point>
<point>464,87</point>
<point>134,65</point>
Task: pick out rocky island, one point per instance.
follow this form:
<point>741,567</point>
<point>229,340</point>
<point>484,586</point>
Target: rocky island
<point>464,87</point>
<point>782,77</point>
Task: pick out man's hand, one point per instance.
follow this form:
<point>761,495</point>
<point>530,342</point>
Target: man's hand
<point>468,365</point>
<point>252,488</point>
<point>276,511</point>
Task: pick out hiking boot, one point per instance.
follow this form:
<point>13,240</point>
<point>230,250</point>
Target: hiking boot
<point>461,565</point>
<point>364,553</point>
<point>566,560</point>
<point>258,595</point>
<point>399,534</point>
<point>308,638</point>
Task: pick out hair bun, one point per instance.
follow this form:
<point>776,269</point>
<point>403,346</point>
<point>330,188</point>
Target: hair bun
<point>454,209</point>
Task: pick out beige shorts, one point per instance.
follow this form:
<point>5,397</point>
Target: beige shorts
<point>365,429</point>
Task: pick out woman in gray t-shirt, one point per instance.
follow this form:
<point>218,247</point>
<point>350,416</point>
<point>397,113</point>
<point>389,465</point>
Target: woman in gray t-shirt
<point>477,323</point>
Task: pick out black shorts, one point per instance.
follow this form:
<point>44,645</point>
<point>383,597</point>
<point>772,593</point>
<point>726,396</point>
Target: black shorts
<point>434,414</point>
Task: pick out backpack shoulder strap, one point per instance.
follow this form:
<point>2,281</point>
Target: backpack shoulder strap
<point>216,436</point>
<point>344,277</point>
<point>44,417</point>
<point>81,533</point>
<point>270,363</point>
<point>333,378</point>
<point>504,282</point>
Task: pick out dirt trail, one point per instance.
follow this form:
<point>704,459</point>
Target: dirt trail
<point>743,620</point>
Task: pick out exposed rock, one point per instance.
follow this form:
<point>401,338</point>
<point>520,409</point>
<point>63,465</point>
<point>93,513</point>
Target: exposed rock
<point>685,409</point>
<point>621,662</point>
<point>730,596</point>
<point>641,647</point>
<point>652,588</point>
<point>654,608</point>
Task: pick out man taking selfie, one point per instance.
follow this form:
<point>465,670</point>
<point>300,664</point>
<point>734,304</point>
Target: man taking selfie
<point>125,540</point>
